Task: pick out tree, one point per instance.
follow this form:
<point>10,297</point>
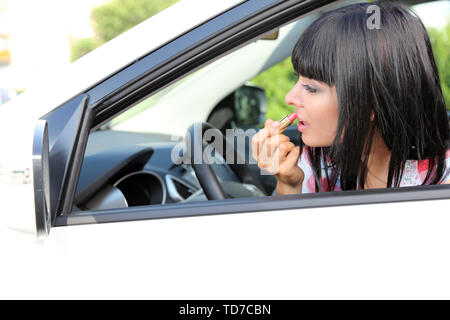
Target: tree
<point>80,47</point>
<point>440,41</point>
<point>115,17</point>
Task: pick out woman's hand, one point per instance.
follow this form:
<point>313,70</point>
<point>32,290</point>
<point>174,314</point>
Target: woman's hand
<point>275,154</point>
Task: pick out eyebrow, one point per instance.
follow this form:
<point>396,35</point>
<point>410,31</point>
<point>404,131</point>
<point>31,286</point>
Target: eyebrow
<point>308,79</point>
<point>314,82</point>
<point>317,83</point>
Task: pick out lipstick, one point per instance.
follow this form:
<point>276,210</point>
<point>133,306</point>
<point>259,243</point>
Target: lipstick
<point>286,122</point>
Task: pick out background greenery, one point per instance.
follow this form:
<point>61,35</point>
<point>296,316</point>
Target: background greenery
<point>115,17</point>
<point>440,40</point>
<point>277,81</point>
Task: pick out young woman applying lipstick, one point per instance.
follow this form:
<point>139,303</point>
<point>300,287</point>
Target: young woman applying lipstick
<point>369,106</point>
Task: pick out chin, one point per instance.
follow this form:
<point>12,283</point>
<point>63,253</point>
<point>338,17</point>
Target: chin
<point>314,142</point>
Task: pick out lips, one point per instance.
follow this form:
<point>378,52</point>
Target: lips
<point>302,125</point>
<point>303,122</point>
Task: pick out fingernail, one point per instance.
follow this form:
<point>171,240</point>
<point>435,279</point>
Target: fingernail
<point>275,124</point>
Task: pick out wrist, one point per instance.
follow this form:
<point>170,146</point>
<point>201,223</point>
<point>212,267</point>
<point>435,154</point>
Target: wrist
<point>283,188</point>
<point>291,181</point>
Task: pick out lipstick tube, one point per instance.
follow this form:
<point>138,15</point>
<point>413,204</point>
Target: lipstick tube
<point>286,122</point>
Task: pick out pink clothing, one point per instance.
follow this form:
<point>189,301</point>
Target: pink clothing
<point>414,173</point>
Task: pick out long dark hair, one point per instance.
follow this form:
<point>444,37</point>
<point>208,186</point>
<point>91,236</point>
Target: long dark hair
<point>389,72</point>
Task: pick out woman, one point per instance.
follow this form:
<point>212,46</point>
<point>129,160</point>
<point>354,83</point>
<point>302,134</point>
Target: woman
<point>369,103</point>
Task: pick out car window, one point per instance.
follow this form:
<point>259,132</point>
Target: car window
<point>231,93</point>
<point>141,158</point>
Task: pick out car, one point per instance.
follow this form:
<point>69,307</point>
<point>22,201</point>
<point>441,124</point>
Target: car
<point>102,196</point>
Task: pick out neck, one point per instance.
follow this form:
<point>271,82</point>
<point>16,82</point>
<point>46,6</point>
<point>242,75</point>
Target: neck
<point>378,163</point>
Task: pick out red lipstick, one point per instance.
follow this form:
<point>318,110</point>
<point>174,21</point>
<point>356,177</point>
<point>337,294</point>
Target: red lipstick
<point>286,122</point>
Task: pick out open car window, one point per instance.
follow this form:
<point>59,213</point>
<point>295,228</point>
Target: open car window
<point>137,162</point>
<point>232,93</point>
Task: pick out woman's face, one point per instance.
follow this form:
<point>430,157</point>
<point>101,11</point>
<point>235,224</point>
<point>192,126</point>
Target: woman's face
<point>316,106</point>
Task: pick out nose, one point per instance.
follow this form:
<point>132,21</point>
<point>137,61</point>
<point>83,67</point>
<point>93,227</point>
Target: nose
<point>293,97</point>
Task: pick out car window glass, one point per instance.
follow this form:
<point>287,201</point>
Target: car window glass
<point>238,91</point>
<point>229,93</point>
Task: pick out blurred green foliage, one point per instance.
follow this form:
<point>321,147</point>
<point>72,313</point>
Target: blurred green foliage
<point>80,47</point>
<point>440,41</point>
<point>115,17</point>
<point>277,81</point>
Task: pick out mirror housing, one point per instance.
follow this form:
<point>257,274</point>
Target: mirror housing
<point>41,179</point>
<point>250,106</point>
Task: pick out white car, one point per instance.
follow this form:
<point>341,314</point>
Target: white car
<point>93,205</point>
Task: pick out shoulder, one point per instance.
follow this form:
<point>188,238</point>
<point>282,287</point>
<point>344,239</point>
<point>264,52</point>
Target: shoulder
<point>415,171</point>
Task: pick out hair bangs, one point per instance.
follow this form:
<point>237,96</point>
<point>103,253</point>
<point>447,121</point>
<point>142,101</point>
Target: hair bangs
<point>313,56</point>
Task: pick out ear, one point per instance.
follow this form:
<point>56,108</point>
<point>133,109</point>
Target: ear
<point>372,115</point>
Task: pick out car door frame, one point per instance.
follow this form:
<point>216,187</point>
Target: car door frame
<point>203,44</point>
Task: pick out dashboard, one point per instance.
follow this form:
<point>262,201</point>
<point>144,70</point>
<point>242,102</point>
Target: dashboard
<point>123,169</point>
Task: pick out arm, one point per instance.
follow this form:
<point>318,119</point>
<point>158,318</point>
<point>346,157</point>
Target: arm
<point>283,188</point>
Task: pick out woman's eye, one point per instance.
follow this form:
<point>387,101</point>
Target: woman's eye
<point>309,88</point>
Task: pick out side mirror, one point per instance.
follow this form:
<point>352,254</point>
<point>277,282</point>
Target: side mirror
<point>41,179</point>
<point>250,103</point>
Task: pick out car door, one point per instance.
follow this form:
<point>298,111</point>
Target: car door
<point>282,247</point>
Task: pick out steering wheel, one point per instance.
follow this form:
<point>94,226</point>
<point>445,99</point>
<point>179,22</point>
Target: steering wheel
<point>195,147</point>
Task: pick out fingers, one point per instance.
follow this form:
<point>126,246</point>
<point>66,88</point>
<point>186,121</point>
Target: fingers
<point>258,140</point>
<point>284,150</point>
<point>271,145</point>
<point>271,126</point>
<point>290,161</point>
<point>273,155</point>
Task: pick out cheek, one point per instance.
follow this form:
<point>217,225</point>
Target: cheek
<point>323,115</point>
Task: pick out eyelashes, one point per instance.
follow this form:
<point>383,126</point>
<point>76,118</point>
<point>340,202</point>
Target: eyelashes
<point>309,88</point>
<point>306,86</point>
